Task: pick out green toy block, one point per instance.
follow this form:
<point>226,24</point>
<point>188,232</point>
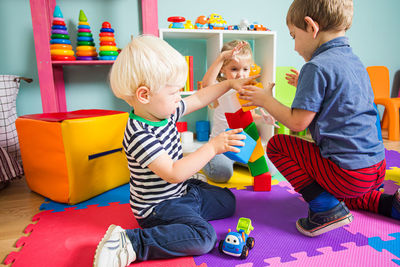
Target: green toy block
<point>283,129</point>
<point>252,131</point>
<point>258,167</point>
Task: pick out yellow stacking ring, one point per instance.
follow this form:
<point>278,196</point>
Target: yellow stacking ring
<point>83,23</point>
<point>107,38</point>
<point>85,48</point>
<point>61,52</point>
<point>61,46</point>
<point>86,53</point>
<point>108,48</point>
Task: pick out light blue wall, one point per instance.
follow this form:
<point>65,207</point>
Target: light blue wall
<point>374,37</point>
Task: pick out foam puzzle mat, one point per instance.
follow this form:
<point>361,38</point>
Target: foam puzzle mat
<point>70,233</point>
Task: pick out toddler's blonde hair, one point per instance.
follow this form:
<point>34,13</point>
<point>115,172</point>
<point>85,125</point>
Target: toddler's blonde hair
<point>146,61</point>
<point>333,15</point>
<point>245,52</point>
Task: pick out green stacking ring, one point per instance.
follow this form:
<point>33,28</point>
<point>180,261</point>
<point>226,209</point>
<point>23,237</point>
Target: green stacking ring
<point>108,53</point>
<point>85,34</point>
<point>86,43</point>
<point>59,36</point>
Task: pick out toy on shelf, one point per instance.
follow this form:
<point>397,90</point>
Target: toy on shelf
<point>108,47</point>
<point>216,22</point>
<point>244,23</point>
<point>257,27</point>
<point>177,22</point>
<point>85,47</point>
<point>201,23</point>
<point>238,243</point>
<point>189,25</point>
<point>60,45</point>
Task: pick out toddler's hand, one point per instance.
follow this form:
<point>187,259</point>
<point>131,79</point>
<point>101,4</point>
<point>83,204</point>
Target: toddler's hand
<point>226,141</point>
<point>231,54</point>
<point>269,119</point>
<point>292,78</point>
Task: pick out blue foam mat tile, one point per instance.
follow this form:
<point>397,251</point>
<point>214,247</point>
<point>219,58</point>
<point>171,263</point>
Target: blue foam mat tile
<point>119,194</point>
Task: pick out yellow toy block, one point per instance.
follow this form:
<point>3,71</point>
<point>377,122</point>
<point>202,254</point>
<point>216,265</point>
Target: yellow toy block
<point>70,157</point>
<point>257,152</point>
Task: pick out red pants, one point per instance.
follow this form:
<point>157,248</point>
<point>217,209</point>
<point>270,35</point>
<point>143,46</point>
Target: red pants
<point>301,163</point>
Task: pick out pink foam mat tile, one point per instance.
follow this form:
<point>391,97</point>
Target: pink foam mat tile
<point>70,238</point>
<point>371,225</point>
<point>351,257</point>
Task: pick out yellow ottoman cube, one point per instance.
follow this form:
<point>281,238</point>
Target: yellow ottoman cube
<point>70,157</point>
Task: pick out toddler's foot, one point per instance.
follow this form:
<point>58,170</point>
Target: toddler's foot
<point>115,249</point>
<point>321,222</point>
<point>396,205</point>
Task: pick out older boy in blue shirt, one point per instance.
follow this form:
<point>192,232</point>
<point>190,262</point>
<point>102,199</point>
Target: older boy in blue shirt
<point>345,165</point>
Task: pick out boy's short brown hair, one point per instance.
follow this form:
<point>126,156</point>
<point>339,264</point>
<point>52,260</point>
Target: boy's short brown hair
<point>330,14</point>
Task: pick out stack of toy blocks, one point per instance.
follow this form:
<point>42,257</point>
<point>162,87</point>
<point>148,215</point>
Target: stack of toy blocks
<point>70,157</point>
<point>255,159</point>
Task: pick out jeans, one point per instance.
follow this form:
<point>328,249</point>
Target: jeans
<point>220,168</point>
<point>180,227</point>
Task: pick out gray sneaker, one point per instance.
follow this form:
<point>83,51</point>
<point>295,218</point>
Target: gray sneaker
<point>321,222</point>
<point>115,249</point>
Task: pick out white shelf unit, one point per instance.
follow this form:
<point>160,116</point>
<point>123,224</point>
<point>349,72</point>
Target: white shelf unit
<point>263,44</point>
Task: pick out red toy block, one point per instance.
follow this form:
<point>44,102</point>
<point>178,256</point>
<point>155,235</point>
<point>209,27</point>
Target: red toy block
<point>262,182</point>
<point>239,119</point>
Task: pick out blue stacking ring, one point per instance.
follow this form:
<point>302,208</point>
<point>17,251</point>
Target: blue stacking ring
<point>58,27</point>
<point>108,57</point>
<point>60,41</point>
<point>83,38</point>
<point>83,27</point>
<point>107,30</point>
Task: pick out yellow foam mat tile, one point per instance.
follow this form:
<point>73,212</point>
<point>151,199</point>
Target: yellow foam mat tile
<point>240,180</point>
<point>393,174</point>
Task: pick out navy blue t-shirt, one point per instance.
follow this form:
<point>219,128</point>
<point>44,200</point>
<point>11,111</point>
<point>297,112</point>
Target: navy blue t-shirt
<point>336,85</point>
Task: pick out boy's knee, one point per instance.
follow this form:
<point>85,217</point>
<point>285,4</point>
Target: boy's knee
<point>271,146</point>
<point>209,238</point>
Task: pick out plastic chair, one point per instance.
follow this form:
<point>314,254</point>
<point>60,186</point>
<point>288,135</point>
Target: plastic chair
<point>284,92</point>
<point>380,82</point>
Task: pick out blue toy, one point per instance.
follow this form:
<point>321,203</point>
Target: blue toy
<point>202,130</point>
<point>238,243</point>
<point>245,152</point>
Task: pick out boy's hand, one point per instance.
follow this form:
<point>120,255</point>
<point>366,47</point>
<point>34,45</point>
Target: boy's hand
<point>292,78</point>
<point>255,95</point>
<point>226,141</point>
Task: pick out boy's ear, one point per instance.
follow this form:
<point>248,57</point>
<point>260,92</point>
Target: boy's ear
<point>313,24</point>
<point>143,94</point>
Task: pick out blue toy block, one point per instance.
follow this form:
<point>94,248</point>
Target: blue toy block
<point>202,130</point>
<point>245,152</point>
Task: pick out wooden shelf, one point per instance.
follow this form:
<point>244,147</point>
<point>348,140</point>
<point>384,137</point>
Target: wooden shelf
<point>83,62</point>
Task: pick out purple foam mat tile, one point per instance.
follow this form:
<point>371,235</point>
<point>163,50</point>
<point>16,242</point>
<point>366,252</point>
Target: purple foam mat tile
<point>390,187</point>
<point>392,158</point>
<point>273,215</point>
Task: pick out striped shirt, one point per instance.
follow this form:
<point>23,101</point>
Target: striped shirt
<point>144,141</point>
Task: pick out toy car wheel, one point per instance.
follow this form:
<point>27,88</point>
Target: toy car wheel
<point>250,242</point>
<point>220,245</point>
<point>245,252</point>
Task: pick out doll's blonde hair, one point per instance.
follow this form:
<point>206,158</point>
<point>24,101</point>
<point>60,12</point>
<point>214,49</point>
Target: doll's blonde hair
<point>146,61</point>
